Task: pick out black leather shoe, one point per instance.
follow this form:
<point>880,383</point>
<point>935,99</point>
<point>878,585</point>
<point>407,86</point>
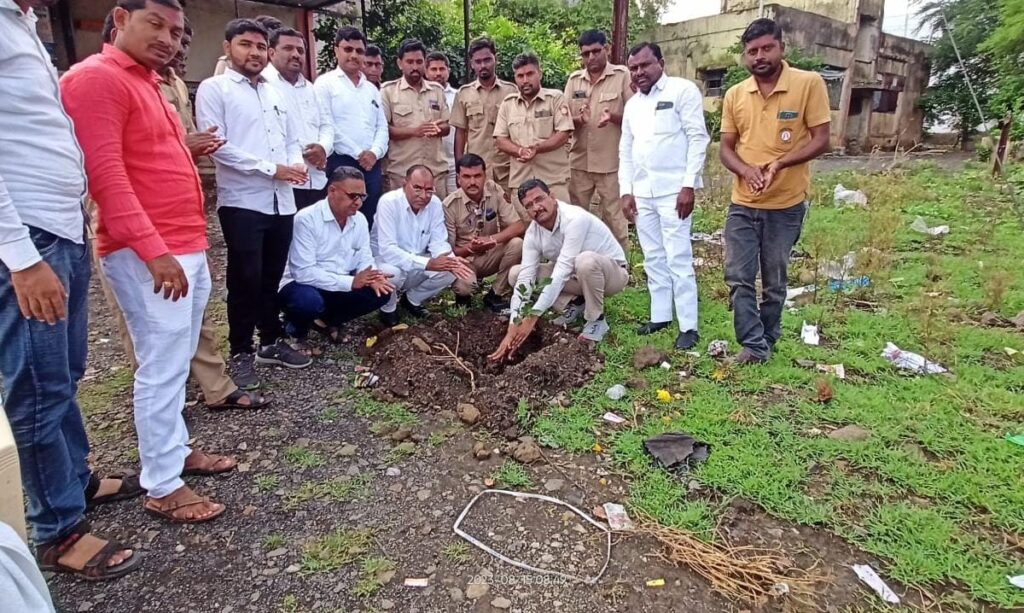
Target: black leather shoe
<point>416,311</point>
<point>389,319</point>
<point>651,327</point>
<point>687,340</point>
<point>495,303</point>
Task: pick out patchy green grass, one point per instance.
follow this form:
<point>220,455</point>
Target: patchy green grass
<point>273,541</point>
<point>265,483</point>
<point>329,415</point>
<point>342,489</point>
<point>385,415</point>
<point>936,491</point>
<point>107,420</point>
<point>400,452</point>
<point>374,572</point>
<point>457,552</point>
<point>512,474</point>
<point>337,549</point>
<point>302,457</point>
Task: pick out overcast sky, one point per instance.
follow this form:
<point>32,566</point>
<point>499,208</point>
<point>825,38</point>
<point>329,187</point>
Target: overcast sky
<point>895,22</point>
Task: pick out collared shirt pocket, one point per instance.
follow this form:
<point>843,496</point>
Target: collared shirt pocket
<point>402,115</point>
<point>517,130</point>
<point>544,124</point>
<point>610,100</point>
<point>666,121</point>
<point>475,116</point>
<point>788,121</point>
<point>433,107</point>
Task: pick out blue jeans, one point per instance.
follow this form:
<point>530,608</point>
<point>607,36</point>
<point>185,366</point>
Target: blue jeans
<point>304,303</point>
<point>373,182</point>
<point>41,365</point>
<point>759,239</point>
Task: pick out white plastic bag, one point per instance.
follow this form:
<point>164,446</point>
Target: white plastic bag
<point>921,226</point>
<point>910,361</point>
<point>841,196</point>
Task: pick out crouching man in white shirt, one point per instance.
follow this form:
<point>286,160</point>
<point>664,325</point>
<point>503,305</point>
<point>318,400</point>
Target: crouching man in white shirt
<point>330,278</point>
<point>585,264</point>
<point>410,242</point>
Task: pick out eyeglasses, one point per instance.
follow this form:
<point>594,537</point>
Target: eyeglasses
<point>359,197</point>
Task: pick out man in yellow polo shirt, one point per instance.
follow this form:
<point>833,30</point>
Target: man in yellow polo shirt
<point>773,124</point>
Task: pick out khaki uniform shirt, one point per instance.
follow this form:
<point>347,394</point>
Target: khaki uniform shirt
<point>529,123</point>
<point>769,128</point>
<point>176,93</point>
<point>475,110</point>
<point>465,219</point>
<point>596,149</point>
<point>405,107</point>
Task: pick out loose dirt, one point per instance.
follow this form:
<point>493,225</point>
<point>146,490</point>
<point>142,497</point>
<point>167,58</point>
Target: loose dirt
<point>551,361</point>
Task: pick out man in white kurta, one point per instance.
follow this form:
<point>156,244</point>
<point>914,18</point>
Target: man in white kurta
<point>661,156</point>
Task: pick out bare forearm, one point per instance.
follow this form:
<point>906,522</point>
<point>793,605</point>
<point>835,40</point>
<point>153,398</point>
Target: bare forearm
<point>808,152</point>
<point>460,143</point>
<point>731,160</point>
<point>397,133</point>
<point>506,146</point>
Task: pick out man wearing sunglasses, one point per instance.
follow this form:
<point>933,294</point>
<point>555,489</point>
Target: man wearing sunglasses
<point>485,229</point>
<point>331,278</point>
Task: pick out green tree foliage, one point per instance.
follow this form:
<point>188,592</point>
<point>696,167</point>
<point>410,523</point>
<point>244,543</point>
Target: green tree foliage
<point>548,28</point>
<point>990,38</point>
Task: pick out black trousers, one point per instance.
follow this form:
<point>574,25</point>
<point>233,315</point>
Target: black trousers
<point>308,197</point>
<point>304,303</point>
<point>373,179</point>
<point>257,254</point>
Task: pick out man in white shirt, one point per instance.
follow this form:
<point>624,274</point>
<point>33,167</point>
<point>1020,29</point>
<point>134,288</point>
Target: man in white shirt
<point>256,170</point>
<point>410,241</point>
<point>661,157</point>
<point>44,285</point>
<point>330,278</point>
<point>316,130</point>
<point>584,263</point>
<point>353,103</point>
<point>438,71</point>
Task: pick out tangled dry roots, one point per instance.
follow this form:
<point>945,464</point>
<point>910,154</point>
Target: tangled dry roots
<point>741,573</point>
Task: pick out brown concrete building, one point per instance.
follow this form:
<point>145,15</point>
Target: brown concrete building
<point>71,30</point>
<point>874,79</point>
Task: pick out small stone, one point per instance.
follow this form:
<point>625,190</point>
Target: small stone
<point>501,603</point>
<point>422,495</point>
<point>407,447</point>
<point>1018,321</point>
<point>547,558</point>
<point>481,451</point>
<point>243,467</point>
<point>387,605</point>
<point>988,318</point>
<point>270,572</point>
<point>179,548</point>
<point>456,594</point>
<point>774,532</point>
<point>353,471</point>
<point>526,452</point>
<point>420,345</point>
<point>468,413</point>
<point>850,433</point>
<point>553,485</point>
<point>401,434</point>
<point>292,568</point>
<point>476,590</point>
<point>280,551</point>
<point>648,356</point>
<point>392,471</point>
<point>347,451</point>
<point>85,606</point>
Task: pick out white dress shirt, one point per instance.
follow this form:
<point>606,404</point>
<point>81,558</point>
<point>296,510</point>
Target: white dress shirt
<point>314,127</point>
<point>42,172</point>
<point>664,140</point>
<point>356,111</point>
<point>449,141</point>
<point>260,134</point>
<point>576,230</point>
<point>325,255</point>
<point>408,240</point>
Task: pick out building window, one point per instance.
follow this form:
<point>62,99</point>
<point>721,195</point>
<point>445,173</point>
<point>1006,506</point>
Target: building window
<point>713,83</point>
<point>885,101</point>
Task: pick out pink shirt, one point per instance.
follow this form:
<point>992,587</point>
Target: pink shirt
<point>146,187</point>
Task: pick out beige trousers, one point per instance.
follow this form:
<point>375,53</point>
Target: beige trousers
<point>595,276</point>
<point>397,181</point>
<point>500,261</point>
<point>207,366</point>
<point>582,187</point>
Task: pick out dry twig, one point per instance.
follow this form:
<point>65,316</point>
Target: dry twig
<point>453,355</point>
<point>744,573</point>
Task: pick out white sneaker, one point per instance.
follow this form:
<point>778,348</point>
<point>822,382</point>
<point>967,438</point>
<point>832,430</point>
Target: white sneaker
<point>569,315</point>
<point>595,330</point>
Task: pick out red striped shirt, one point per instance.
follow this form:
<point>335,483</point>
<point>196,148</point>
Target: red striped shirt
<point>146,187</point>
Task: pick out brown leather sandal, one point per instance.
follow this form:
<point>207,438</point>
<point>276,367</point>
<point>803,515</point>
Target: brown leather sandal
<point>165,510</point>
<point>128,489</point>
<point>85,555</point>
<point>208,464</point>
<point>256,401</point>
